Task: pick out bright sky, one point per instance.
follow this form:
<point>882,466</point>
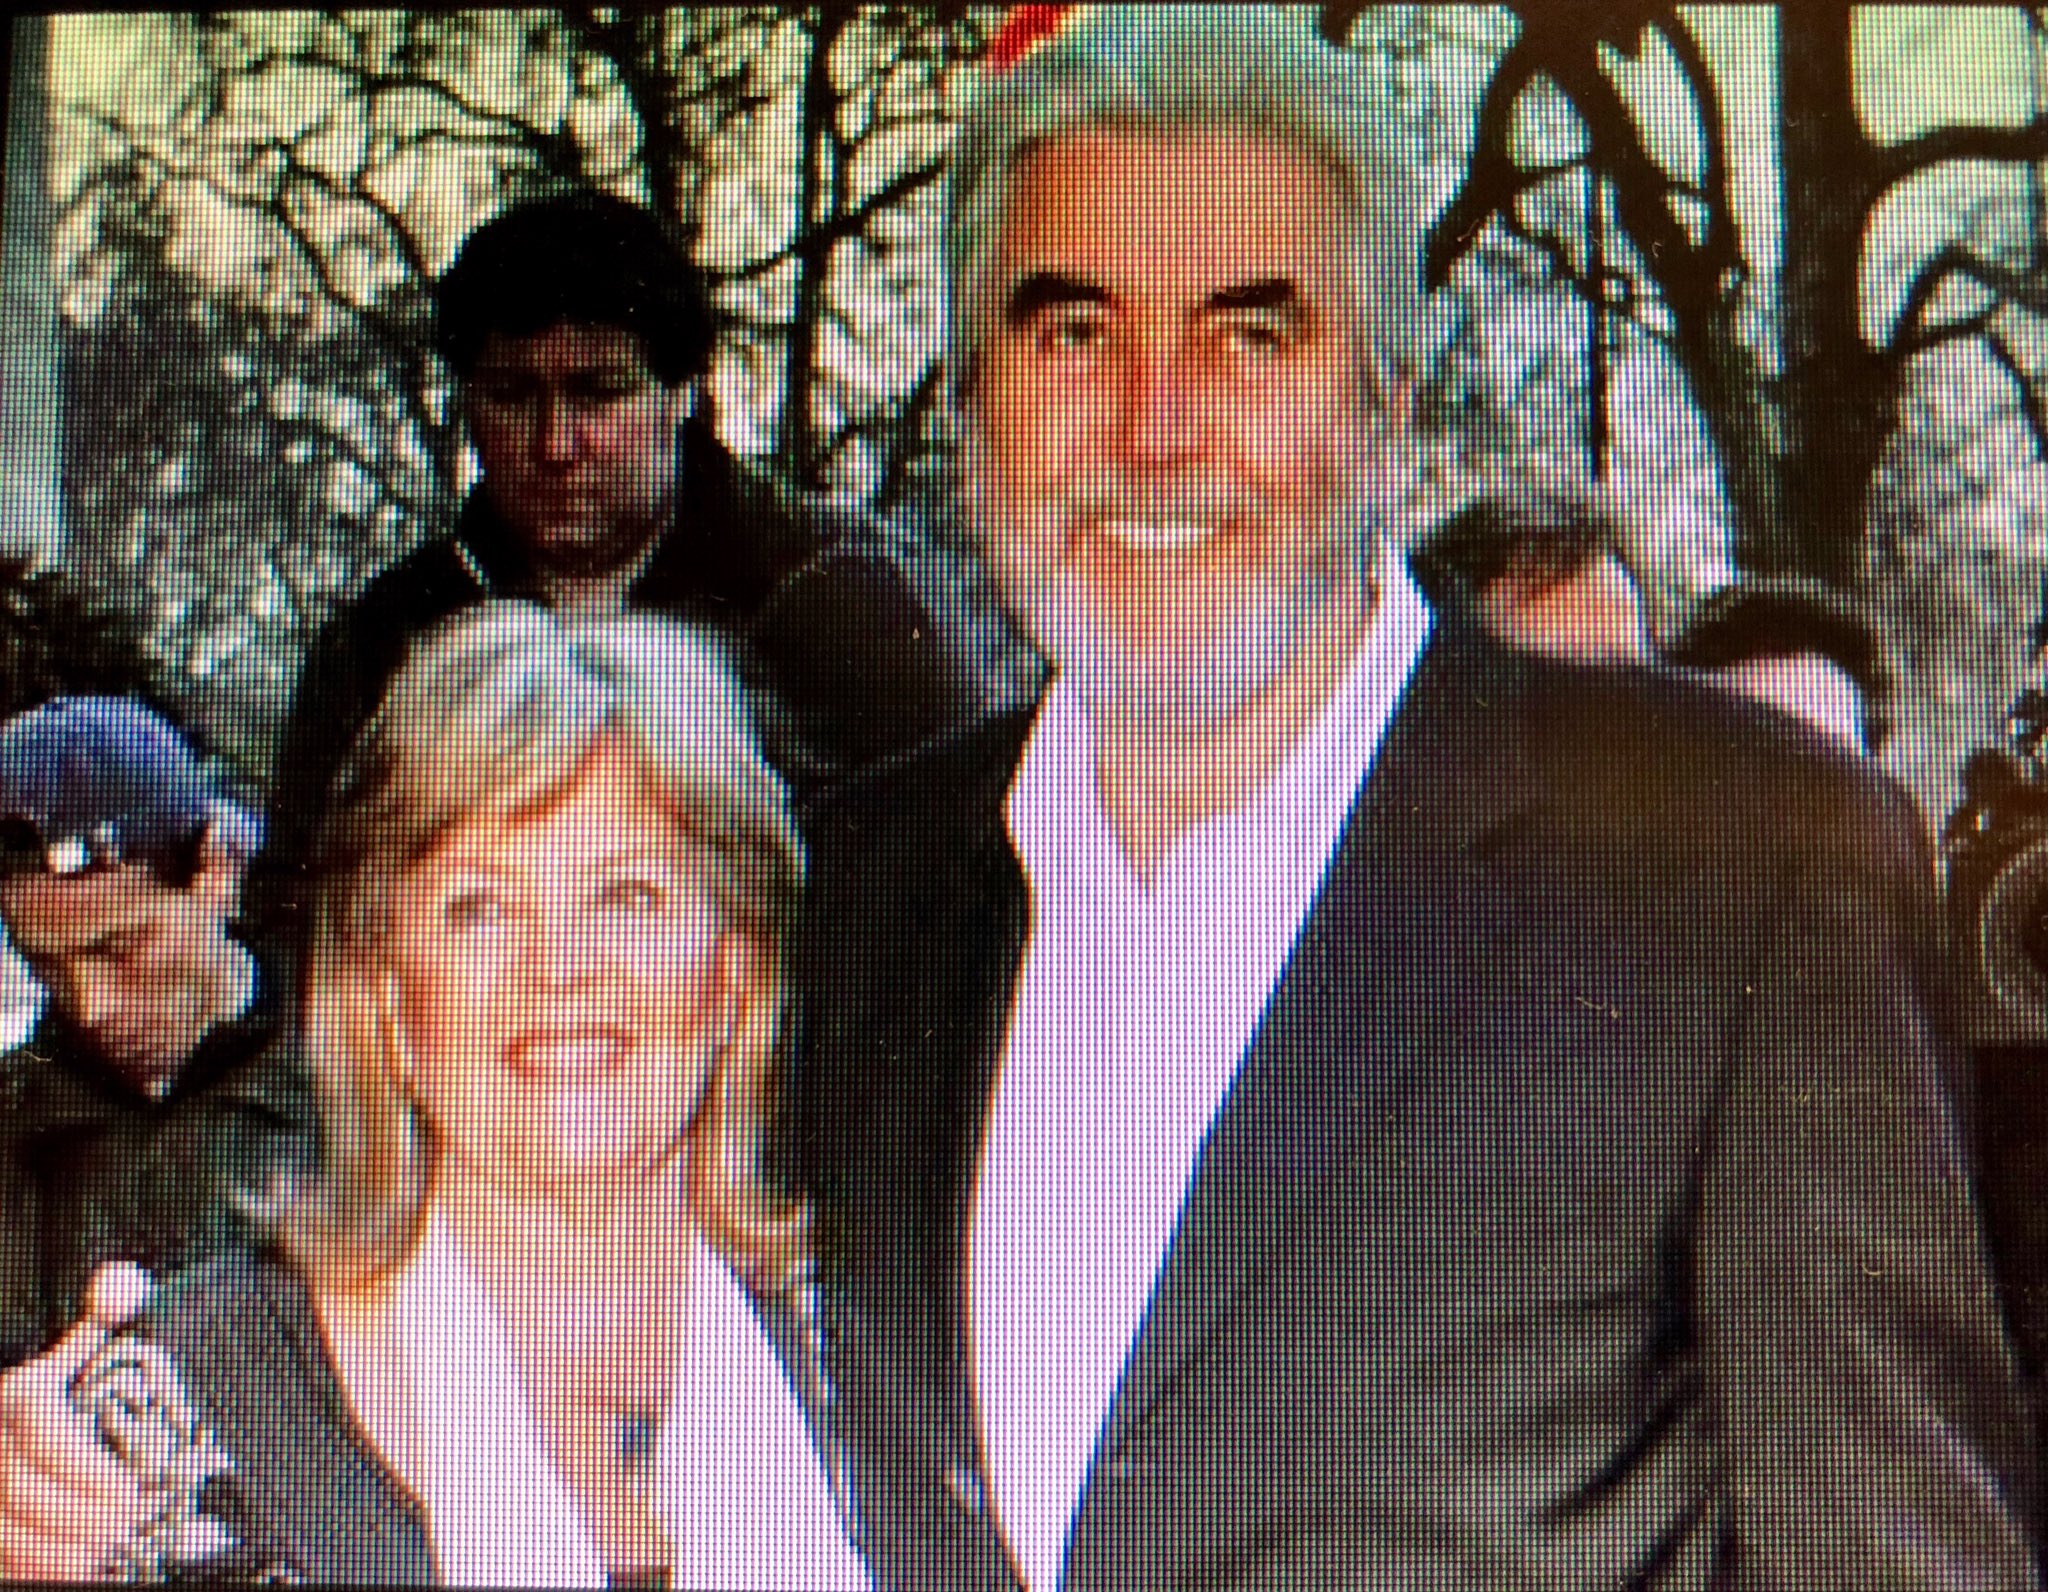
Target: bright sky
<point>1916,67</point>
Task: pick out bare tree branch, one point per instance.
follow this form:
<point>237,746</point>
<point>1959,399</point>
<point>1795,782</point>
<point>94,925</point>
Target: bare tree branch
<point>1952,263</point>
<point>2031,407</point>
<point>1713,189</point>
<point>1896,162</point>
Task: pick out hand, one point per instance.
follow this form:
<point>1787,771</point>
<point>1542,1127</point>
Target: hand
<point>66,1503</point>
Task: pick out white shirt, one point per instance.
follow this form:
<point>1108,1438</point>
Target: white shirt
<point>740,1493</point>
<point>1132,1011</point>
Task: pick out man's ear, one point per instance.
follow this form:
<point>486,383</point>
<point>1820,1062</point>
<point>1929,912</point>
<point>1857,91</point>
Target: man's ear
<point>1397,399</point>
<point>391,1024</point>
<point>963,381</point>
<point>223,866</point>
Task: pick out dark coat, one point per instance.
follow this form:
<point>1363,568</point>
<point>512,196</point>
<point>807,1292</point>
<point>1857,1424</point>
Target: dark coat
<point>1589,1211</point>
<point>857,638</point>
<point>2012,1179</point>
<point>92,1170</point>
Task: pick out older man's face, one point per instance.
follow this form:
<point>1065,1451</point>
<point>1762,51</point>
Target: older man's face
<point>1167,427</point>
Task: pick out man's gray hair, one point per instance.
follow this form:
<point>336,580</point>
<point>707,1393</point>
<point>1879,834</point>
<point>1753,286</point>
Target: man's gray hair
<point>1260,70</point>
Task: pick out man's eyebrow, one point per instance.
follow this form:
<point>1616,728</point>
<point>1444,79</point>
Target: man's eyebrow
<point>1268,293</point>
<point>1044,289</point>
<point>622,370</point>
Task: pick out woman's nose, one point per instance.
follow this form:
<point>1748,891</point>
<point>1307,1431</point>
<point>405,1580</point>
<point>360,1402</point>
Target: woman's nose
<point>564,950</point>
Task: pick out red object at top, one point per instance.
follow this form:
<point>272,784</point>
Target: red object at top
<point>1022,30</point>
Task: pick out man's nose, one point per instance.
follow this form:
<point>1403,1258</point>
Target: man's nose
<point>95,996</point>
<point>554,429</point>
<point>1162,410</point>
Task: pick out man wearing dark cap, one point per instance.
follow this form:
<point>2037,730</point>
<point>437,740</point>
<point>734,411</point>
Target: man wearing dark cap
<point>578,330</point>
<point>141,1117</point>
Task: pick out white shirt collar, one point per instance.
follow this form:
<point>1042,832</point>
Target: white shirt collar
<point>1054,806</point>
<point>1132,1012</point>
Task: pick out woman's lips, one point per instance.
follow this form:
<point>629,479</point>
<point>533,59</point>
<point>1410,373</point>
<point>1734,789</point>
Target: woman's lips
<point>567,1055</point>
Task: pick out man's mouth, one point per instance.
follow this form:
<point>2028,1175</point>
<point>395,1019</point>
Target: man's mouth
<point>139,1060</point>
<point>1158,536</point>
<point>567,1055</point>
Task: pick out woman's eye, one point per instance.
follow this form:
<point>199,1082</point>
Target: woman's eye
<point>473,909</point>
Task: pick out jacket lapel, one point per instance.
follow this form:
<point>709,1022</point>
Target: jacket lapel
<point>892,1129</point>
<point>1375,983</point>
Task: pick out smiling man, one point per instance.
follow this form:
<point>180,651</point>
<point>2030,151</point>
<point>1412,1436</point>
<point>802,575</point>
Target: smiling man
<point>142,1116</point>
<point>1324,1098</point>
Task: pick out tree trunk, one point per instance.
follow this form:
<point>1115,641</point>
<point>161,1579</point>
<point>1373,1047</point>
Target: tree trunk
<point>1694,282</point>
<point>1839,394</point>
<point>817,152</point>
<point>31,499</point>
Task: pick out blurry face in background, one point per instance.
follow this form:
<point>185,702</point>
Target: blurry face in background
<point>560,985</point>
<point>142,969</point>
<point>576,438</point>
<point>1168,421</point>
<point>1806,685</point>
<point>1594,615</point>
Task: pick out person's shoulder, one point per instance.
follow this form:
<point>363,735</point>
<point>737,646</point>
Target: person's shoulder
<point>843,534</point>
<point>45,1085</point>
<point>782,512</point>
<point>241,1324</point>
<point>956,777</point>
<point>1674,752</point>
<point>424,582</point>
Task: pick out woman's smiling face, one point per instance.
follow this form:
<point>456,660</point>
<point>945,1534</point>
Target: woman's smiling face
<point>559,984</point>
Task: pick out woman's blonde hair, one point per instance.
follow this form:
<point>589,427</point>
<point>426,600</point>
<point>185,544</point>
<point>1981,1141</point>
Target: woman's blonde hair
<point>494,713</point>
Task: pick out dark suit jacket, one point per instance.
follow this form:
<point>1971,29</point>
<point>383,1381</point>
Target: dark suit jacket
<point>1588,1211</point>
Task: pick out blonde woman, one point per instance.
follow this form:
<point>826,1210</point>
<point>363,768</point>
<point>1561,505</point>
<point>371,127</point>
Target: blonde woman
<point>539,1320</point>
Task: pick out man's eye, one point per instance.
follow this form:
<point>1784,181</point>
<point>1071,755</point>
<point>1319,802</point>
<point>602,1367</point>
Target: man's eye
<point>1259,338</point>
<point>503,393</point>
<point>636,896</point>
<point>1071,333</point>
<point>602,392</point>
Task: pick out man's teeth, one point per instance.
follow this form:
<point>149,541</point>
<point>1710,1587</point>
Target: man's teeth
<point>1157,536</point>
